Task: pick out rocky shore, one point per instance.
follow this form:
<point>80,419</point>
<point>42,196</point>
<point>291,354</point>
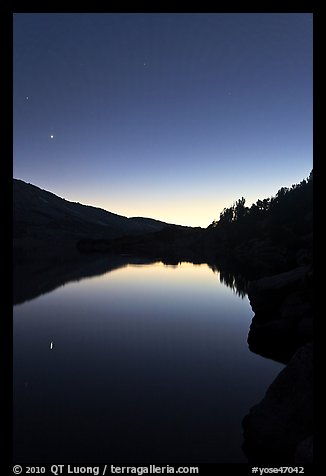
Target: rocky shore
<point>279,429</point>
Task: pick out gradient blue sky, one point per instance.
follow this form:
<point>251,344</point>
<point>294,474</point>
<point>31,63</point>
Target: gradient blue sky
<point>171,116</point>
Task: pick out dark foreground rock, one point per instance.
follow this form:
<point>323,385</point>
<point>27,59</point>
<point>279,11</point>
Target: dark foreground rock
<point>278,430</point>
<point>304,451</point>
<point>283,313</point>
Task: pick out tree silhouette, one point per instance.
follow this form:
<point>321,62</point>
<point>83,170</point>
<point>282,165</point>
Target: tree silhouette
<point>295,200</point>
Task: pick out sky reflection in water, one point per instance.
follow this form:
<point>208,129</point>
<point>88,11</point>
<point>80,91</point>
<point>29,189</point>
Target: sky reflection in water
<point>144,364</point>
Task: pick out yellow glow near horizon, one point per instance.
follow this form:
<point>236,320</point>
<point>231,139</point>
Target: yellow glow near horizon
<point>195,206</point>
<point>200,213</point>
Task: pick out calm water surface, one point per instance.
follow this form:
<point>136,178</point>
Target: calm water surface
<point>143,364</point>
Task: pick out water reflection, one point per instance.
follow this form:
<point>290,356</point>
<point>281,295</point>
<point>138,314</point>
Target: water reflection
<point>237,282</point>
<point>33,278</point>
<point>148,363</point>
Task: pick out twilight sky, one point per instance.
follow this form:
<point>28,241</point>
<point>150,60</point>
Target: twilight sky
<point>169,116</point>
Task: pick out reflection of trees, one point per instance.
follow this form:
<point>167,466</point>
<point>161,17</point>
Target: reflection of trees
<point>232,279</point>
<point>44,272</point>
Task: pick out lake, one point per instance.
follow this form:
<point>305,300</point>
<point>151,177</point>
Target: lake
<point>145,363</point>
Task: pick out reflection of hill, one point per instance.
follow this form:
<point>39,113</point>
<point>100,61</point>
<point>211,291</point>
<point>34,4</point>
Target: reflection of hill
<point>35,277</point>
<point>45,272</point>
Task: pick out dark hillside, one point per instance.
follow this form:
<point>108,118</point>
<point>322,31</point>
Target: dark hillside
<point>44,221</point>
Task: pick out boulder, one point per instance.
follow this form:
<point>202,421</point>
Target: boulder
<point>275,339</point>
<point>305,329</point>
<point>275,428</point>
<point>265,294</point>
<point>283,313</point>
<point>304,452</point>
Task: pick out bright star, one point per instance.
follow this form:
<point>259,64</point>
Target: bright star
<point>51,136</point>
